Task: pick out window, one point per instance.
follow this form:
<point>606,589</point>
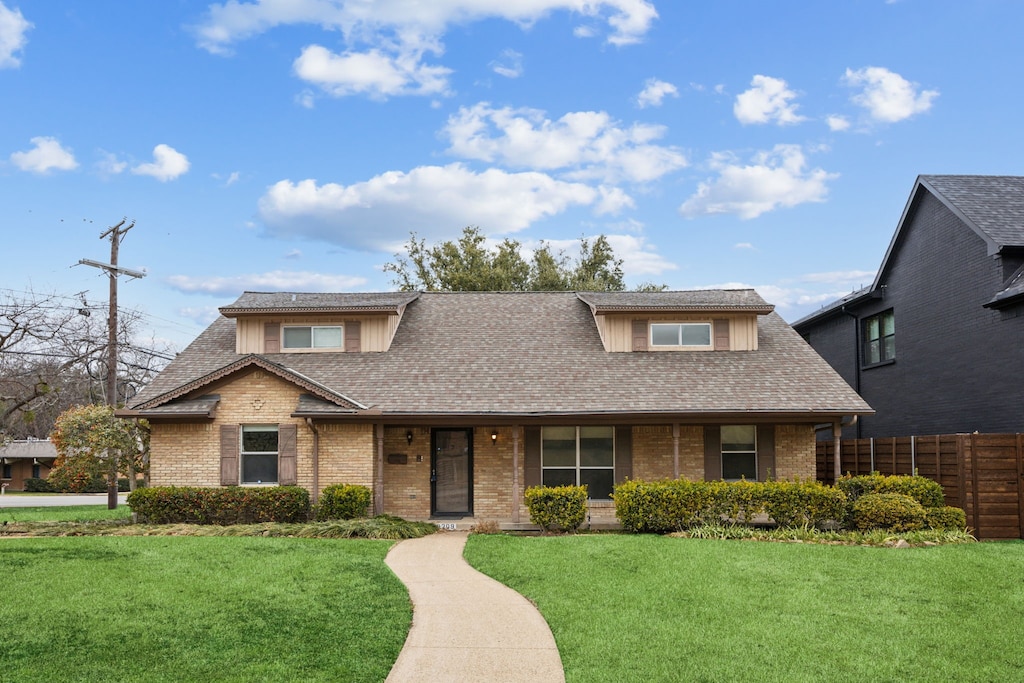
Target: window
<point>739,452</point>
<point>680,334</point>
<point>879,338</point>
<point>313,337</point>
<point>259,454</point>
<point>7,471</point>
<point>36,471</point>
<point>572,456</point>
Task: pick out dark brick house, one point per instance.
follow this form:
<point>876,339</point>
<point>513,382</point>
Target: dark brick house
<point>936,343</point>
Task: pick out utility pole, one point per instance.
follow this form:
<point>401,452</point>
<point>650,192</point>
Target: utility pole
<point>116,233</point>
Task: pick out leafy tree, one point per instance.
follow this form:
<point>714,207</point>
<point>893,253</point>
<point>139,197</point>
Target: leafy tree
<point>91,442</point>
<point>467,265</point>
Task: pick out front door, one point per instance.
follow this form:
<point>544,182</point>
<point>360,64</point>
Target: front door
<point>451,472</point>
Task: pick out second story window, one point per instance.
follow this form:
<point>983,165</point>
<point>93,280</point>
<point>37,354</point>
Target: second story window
<point>879,332</point>
<point>313,337</point>
<point>681,334</point>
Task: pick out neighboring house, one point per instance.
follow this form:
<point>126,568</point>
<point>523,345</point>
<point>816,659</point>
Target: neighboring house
<point>20,460</point>
<point>450,404</point>
<point>936,343</point>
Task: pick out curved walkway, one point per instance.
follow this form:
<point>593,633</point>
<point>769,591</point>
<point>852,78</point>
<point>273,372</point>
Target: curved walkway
<point>467,626</point>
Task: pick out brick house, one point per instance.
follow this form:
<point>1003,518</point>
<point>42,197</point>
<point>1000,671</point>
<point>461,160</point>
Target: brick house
<point>447,405</point>
<point>21,460</point>
<point>936,343</point>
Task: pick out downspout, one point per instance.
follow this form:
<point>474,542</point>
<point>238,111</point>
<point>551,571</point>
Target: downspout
<point>316,459</point>
<point>856,359</point>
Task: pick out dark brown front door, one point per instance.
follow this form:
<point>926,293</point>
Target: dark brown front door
<point>451,472</point>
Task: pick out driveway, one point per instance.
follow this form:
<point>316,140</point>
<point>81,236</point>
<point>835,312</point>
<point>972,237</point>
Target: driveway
<point>57,500</point>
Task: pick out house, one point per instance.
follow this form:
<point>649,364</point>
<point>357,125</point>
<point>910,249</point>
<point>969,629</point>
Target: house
<point>447,405</point>
<point>21,460</point>
<point>936,343</point>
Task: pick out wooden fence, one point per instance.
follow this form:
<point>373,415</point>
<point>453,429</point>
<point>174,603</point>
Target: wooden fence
<point>981,473</point>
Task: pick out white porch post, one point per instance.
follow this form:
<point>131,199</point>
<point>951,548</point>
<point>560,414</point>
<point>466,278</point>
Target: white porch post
<point>837,437</point>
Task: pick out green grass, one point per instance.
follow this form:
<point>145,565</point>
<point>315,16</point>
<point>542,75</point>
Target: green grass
<point>199,609</point>
<point>64,513</point>
<point>651,608</point>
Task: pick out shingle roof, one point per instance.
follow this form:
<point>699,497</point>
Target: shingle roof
<point>536,353</point>
<point>718,300</point>
<point>41,448</point>
<point>260,302</point>
<point>993,204</point>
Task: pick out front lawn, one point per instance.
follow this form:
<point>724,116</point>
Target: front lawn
<point>63,513</point>
<point>652,608</point>
<point>199,609</point>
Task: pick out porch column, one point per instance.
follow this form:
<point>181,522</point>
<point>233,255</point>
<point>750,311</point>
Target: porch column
<point>378,488</point>
<point>837,438</point>
<point>515,473</point>
<point>675,450</point>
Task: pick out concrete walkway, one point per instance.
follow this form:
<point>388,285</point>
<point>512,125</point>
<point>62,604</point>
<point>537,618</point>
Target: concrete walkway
<point>466,626</point>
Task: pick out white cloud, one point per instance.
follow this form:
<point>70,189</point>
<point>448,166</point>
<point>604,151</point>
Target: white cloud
<point>232,179</point>
<point>13,27</point>
<point>509,64</point>
<point>109,164</point>
<point>430,200</point>
<point>743,245</point>
<point>168,163</point>
<point>275,280</point>
<point>801,295</point>
<point>583,145</point>
<point>386,40</point>
<point>638,256</point>
<point>887,96</point>
<point>46,156</point>
<point>837,123</point>
<point>654,92</point>
<point>768,100</point>
<point>306,99</point>
<point>774,179</point>
<point>294,254</point>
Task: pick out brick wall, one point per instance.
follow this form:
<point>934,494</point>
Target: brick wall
<point>794,452</point>
<point>653,455</point>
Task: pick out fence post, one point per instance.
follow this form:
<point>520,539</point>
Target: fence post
<point>913,455</point>
<point>872,454</point>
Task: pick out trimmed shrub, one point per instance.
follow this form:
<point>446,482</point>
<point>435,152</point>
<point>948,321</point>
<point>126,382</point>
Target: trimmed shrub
<point>737,502</point>
<point>922,489</point>
<point>946,518</point>
<point>892,511</point>
<point>343,501</point>
<point>35,485</point>
<point>660,507</point>
<point>557,507</point>
<point>809,503</point>
<point>228,505</point>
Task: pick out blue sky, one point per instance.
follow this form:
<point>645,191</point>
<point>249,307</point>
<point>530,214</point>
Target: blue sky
<point>273,145</point>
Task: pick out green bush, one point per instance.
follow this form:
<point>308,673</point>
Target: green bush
<point>892,511</point>
<point>228,505</point>
<point>561,508</point>
<point>922,489</point>
<point>809,503</point>
<point>343,501</point>
<point>36,485</point>
<point>664,506</point>
<point>946,518</point>
<point>122,484</point>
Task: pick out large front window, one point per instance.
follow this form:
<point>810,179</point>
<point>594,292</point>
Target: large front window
<point>879,338</point>
<point>576,456</point>
<point>680,334</point>
<point>259,454</point>
<point>739,452</point>
<point>313,337</point>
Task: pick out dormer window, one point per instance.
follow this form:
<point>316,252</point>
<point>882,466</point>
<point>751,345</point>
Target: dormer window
<point>297,337</point>
<point>681,334</point>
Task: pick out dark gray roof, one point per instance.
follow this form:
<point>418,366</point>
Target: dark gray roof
<point>720,300</point>
<point>259,302</point>
<point>1012,293</point>
<point>42,449</point>
<point>851,299</point>
<point>536,353</point>
<point>203,406</point>
<point>993,205</point>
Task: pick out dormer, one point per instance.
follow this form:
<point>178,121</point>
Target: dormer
<point>692,321</point>
<point>293,322</point>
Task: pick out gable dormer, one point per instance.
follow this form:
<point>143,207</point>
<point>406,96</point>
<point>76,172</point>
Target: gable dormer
<point>700,320</point>
<point>292,322</point>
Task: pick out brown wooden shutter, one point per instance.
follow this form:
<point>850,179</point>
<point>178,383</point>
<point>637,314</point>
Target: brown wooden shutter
<point>531,457</point>
<point>623,454</point>
<point>712,453</point>
<point>287,455</point>
<point>639,335</point>
<point>353,343</point>
<point>722,335</point>
<point>765,452</point>
<point>271,337</point>
<point>229,455</point>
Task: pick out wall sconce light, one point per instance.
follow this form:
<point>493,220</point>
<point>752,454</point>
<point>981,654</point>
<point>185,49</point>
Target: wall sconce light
<point>494,436</point>
<point>408,437</point>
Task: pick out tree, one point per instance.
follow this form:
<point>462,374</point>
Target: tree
<point>467,265</point>
<point>91,441</point>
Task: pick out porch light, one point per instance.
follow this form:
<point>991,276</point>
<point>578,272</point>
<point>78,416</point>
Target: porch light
<point>408,437</point>
<point>494,436</point>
